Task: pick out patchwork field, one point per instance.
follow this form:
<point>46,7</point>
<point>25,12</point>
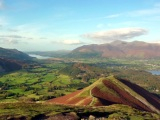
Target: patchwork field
<point>37,83</point>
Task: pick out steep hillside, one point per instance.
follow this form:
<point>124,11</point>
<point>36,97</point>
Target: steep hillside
<point>118,49</point>
<point>12,59</point>
<point>108,91</point>
<point>13,54</point>
<point>9,65</point>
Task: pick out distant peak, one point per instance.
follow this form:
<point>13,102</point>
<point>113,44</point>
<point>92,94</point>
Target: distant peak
<point>138,41</point>
<point>118,42</point>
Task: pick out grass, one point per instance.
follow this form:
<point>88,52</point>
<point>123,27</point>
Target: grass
<point>87,91</point>
<point>103,88</point>
<point>30,110</point>
<point>137,118</point>
<point>35,82</point>
<point>20,91</point>
<point>38,81</point>
<point>62,79</point>
<point>133,93</point>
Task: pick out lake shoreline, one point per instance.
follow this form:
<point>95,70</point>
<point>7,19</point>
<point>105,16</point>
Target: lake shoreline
<point>154,72</point>
<point>39,56</point>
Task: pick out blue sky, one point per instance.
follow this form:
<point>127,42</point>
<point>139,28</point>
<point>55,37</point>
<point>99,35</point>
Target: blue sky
<point>46,25</point>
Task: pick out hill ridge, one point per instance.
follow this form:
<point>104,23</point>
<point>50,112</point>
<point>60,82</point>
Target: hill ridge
<point>12,60</point>
<point>13,54</point>
<point>140,99</point>
<point>108,91</point>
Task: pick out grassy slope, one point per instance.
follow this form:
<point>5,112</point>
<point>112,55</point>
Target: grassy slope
<point>87,92</point>
<point>137,96</point>
<point>30,110</point>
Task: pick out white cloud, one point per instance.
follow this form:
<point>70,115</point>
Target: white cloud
<point>14,37</point>
<point>152,12</point>
<point>155,10</point>
<point>145,12</point>
<point>72,42</point>
<point>29,29</point>
<point>10,41</point>
<point>116,34</point>
<point>11,36</point>
<point>113,16</point>
<point>12,30</point>
<point>26,33</point>
<point>68,42</point>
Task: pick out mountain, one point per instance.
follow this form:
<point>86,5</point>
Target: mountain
<point>7,65</point>
<point>118,49</point>
<point>110,90</point>
<point>12,59</point>
<point>13,54</point>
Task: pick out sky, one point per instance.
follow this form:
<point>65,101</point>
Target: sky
<point>49,25</point>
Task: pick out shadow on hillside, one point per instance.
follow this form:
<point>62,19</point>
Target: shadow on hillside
<point>151,98</point>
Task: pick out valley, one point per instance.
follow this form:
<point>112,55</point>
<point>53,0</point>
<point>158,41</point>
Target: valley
<point>43,80</point>
<point>49,79</point>
<point>79,88</point>
<point>79,60</point>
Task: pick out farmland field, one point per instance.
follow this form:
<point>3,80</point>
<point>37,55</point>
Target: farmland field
<point>37,83</point>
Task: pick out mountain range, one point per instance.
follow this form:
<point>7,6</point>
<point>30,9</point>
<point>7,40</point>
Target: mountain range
<point>118,49</point>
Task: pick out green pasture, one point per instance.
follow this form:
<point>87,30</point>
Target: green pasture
<point>39,83</point>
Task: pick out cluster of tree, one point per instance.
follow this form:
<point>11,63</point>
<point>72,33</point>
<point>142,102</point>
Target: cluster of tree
<point>84,72</point>
<point>142,78</point>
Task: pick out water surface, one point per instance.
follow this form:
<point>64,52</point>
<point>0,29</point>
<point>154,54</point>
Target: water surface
<point>155,72</point>
<point>39,56</point>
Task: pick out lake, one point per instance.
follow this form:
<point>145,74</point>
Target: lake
<point>39,56</point>
<point>155,72</point>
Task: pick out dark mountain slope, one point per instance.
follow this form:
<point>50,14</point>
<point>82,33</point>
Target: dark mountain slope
<point>9,65</point>
<point>13,54</point>
<point>12,59</point>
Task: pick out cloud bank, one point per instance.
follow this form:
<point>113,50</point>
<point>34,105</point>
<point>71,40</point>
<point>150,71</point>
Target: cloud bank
<point>72,42</point>
<point>69,42</point>
<point>113,16</point>
<point>116,34</point>
<point>13,39</point>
